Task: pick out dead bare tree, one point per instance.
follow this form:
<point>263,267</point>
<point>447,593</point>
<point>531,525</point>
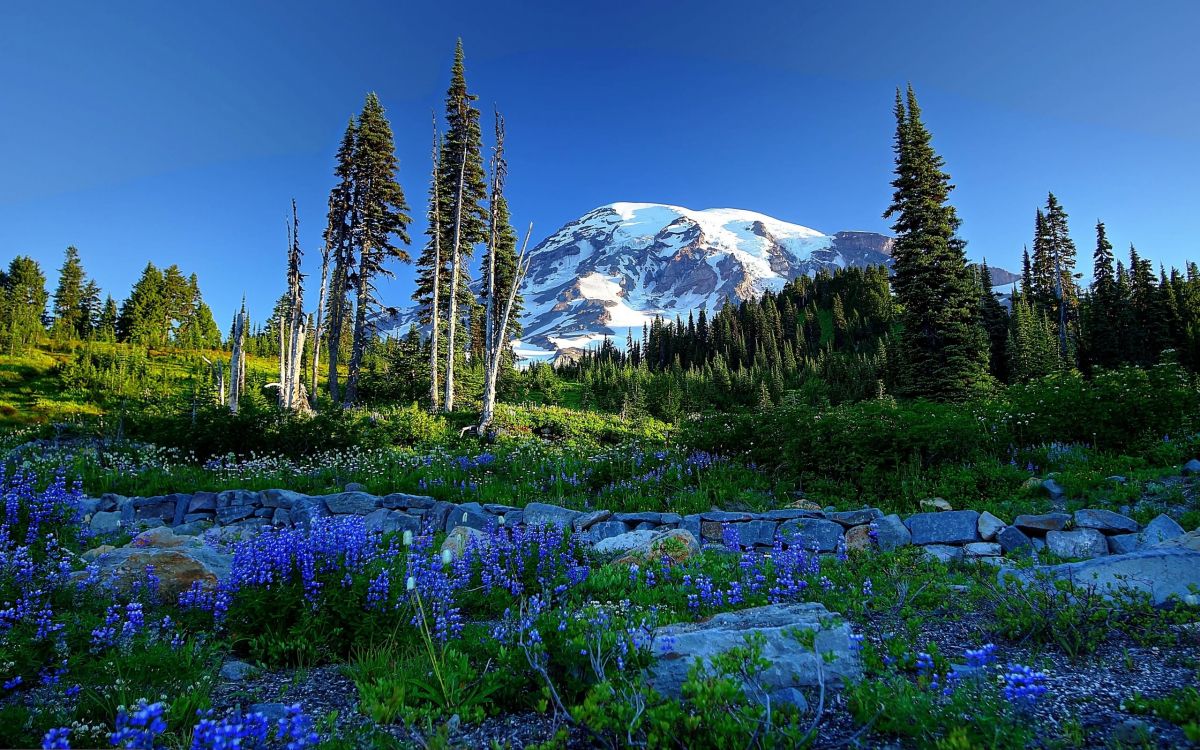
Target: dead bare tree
<point>237,359</point>
<point>495,355</point>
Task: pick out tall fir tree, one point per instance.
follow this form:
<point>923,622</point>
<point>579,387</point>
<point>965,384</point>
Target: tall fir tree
<point>995,323</point>
<point>340,249</point>
<point>1102,345</point>
<point>23,300</point>
<point>69,298</point>
<point>943,347</point>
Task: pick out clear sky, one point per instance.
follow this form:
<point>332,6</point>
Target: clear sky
<point>180,132</point>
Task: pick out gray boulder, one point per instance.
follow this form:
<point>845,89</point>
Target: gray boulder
<point>355,487</point>
<point>944,527</point>
<point>588,520</point>
<point>386,521</point>
<point>1104,520</point>
<point>982,549</point>
<point>544,514</point>
<point>1041,523</point>
<point>943,553</point>
<point>1161,572</point>
<point>404,501</point>
<point>1054,489</point>
<point>989,526</point>
<point>1191,468</point>
<point>833,661</point>
<point>605,530</point>
<point>280,498</point>
<point>1012,539</point>
<point>756,533</point>
<point>202,501</point>
<point>106,522</point>
<point>351,503</point>
<point>1077,543</point>
<point>624,542</point>
<point>1162,528</point>
<point>237,671</point>
<point>891,533</point>
<point>812,532</point>
<point>1120,544</point>
<point>859,517</point>
<point>305,509</point>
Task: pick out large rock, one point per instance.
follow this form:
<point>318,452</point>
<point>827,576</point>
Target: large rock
<point>946,527</point>
<point>756,533</point>
<point>280,498</point>
<point>106,522</point>
<point>404,501</point>
<point>623,542</point>
<point>675,546</point>
<point>809,533</point>
<point>588,520</point>
<point>1012,539</point>
<point>891,533</point>
<point>1104,520</point>
<point>858,537</point>
<point>943,553</point>
<point>1041,523</point>
<point>833,660</point>
<point>305,509</point>
<point>351,503</point>
<point>1160,572</point>
<point>1120,544</point>
<point>605,530</point>
<point>460,539</point>
<point>178,562</point>
<point>850,518</point>
<point>544,514</point>
<point>989,526</point>
<point>386,521</point>
<point>1191,468</point>
<point>1077,543</point>
<point>1162,528</point>
<point>982,549</point>
<point>1190,540</point>
<point>1054,489</point>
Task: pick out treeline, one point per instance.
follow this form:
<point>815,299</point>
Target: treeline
<point>164,308</point>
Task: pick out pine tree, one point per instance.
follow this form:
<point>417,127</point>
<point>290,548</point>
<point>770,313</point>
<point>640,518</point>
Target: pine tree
<point>106,324</point>
<point>340,250</point>
<point>1103,344</point>
<point>378,214</point>
<point>68,298</point>
<point>995,323</point>
<point>23,300</point>
<point>942,344</point>
<point>89,308</point>
<point>144,312</point>
<point>431,266</point>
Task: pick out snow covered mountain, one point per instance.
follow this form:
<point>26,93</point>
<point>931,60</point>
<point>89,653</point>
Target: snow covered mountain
<point>620,265</point>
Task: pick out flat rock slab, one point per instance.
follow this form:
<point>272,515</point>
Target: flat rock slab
<point>542,514</point>
<point>946,527</point>
<point>1104,520</point>
<point>808,533</point>
<point>1162,572</point>
<point>791,665</point>
<point>1040,524</point>
<point>1077,543</point>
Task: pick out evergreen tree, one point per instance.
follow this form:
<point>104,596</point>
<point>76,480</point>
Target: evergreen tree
<point>340,250</point>
<point>995,322</point>
<point>89,308</point>
<point>23,300</point>
<point>68,298</point>
<point>106,323</point>
<point>1103,344</point>
<point>942,345</point>
<point>142,316</point>
<point>378,214</point>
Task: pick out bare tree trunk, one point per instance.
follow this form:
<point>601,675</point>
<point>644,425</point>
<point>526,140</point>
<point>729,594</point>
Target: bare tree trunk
<point>496,354</point>
<point>319,330</point>
<point>453,301</point>
<point>237,360</point>
<point>434,311</point>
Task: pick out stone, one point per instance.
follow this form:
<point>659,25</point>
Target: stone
<point>947,527</point>
<point>756,533</point>
<point>237,671</point>
<point>588,520</point>
<point>401,500</point>
<point>281,517</point>
<point>202,501</point>
<point>858,537</point>
<point>726,516</point>
<point>943,553</point>
<point>1162,528</point>
<point>787,514</point>
<point>1160,572</point>
<point>472,515</point>
<point>623,542</point>
<point>982,549</point>
<point>789,696</point>
<point>1077,543</point>
<point>1191,468</point>
<point>178,562</point>
<point>1040,524</point>
<point>435,517</point>
<point>105,522</point>
<point>460,539</point>
<point>306,509</point>
<point>110,501</point>
<point>351,503</point>
<point>192,517</point>
<point>280,498</point>
<point>936,504</point>
<point>808,533</point>
<point>605,530</point>
<point>1133,733</point>
<point>1116,479</point>
<point>675,546</point>
<point>162,508</point>
<point>833,661</point>
<point>691,524</point>
<point>496,509</point>
<point>1119,544</point>
<point>891,533</point>
<point>1054,489</point>
<point>1012,539</point>
<point>989,526</point>
<point>234,513</point>
<point>713,531</point>
<point>387,521</point>
<point>95,552</point>
<point>1104,520</point>
<point>850,518</point>
<point>658,519</point>
<point>1190,540</point>
<point>192,528</point>
<point>544,514</point>
<point>180,510</point>
<point>1038,543</point>
<point>355,487</point>
<point>273,712</point>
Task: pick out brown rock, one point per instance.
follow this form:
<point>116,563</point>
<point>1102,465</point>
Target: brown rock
<point>936,503</point>
<point>858,537</point>
<point>675,545</point>
<point>178,562</point>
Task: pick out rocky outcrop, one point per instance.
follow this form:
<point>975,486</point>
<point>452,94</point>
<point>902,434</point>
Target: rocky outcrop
<point>176,561</point>
<point>1161,572</point>
<point>832,661</point>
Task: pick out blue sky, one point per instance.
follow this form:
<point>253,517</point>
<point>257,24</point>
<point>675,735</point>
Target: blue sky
<point>180,132</point>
